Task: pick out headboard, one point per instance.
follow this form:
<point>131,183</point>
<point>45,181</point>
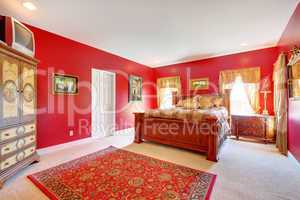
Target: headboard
<point>226,98</point>
<point>176,97</point>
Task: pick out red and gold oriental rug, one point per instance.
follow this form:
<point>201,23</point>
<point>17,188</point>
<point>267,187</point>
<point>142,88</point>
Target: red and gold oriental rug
<point>115,174</point>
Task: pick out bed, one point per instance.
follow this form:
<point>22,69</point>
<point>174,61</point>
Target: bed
<point>187,125</point>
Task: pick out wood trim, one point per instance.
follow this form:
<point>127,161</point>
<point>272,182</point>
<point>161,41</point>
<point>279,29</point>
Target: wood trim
<point>138,125</point>
<point>17,55</point>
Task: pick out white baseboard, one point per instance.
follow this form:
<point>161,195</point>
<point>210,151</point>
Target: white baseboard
<point>47,150</point>
<point>291,157</point>
<point>54,148</point>
<point>127,131</point>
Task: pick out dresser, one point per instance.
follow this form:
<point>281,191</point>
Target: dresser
<point>255,127</point>
<point>17,112</point>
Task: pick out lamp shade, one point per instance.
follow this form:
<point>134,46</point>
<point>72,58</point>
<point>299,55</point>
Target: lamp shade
<point>265,84</point>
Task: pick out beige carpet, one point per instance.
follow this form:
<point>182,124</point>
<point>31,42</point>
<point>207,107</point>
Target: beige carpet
<point>246,171</point>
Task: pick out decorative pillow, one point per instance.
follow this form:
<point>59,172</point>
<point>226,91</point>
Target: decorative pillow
<point>197,98</point>
<point>206,102</point>
<point>179,103</point>
<point>218,101</point>
<point>190,103</point>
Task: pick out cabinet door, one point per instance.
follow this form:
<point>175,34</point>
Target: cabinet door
<point>28,93</point>
<point>9,92</point>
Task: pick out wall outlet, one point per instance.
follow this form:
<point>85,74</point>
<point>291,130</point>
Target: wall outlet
<point>71,133</point>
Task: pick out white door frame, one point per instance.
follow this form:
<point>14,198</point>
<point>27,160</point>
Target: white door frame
<point>97,107</point>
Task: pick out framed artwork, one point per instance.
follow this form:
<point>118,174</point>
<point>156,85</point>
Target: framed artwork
<point>135,88</point>
<point>65,84</point>
<point>199,84</point>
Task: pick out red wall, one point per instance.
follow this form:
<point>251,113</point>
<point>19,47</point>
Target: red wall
<point>289,39</point>
<point>264,58</point>
<point>58,54</point>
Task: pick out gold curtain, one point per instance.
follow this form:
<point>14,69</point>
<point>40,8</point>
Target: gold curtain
<point>296,70</point>
<point>251,78</point>
<point>167,82</point>
<point>252,91</point>
<point>280,103</point>
<point>249,75</point>
<point>296,79</point>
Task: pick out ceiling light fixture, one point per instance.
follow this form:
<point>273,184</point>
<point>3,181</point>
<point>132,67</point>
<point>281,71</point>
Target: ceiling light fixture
<point>244,44</point>
<point>29,5</point>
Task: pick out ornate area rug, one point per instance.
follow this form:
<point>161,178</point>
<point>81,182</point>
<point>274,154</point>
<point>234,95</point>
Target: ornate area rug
<point>115,174</point>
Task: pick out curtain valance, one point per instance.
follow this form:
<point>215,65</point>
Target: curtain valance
<point>250,78</point>
<point>169,82</point>
<point>249,75</point>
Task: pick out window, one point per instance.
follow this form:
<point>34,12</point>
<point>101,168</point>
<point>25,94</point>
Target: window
<point>166,97</point>
<point>165,87</point>
<point>239,97</point>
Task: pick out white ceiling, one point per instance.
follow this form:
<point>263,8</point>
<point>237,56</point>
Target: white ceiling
<point>161,32</point>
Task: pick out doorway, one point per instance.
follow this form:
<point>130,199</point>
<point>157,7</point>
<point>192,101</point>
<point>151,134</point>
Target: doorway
<point>103,103</point>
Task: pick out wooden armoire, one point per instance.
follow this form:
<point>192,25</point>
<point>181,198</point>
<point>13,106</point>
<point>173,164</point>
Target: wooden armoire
<point>17,111</point>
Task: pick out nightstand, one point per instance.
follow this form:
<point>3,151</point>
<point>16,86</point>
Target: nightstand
<point>255,127</point>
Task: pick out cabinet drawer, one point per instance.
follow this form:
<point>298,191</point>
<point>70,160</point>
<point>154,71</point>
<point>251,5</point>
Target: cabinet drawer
<point>7,134</point>
<point>8,162</point>
<point>11,133</point>
<point>18,144</point>
<point>29,140</point>
<point>16,158</point>
<point>29,128</point>
<point>29,151</point>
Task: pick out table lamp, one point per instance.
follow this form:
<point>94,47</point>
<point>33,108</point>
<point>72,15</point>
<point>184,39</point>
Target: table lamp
<point>265,89</point>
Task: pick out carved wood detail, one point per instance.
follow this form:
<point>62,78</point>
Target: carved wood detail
<point>258,127</point>
<point>17,112</point>
<point>201,137</point>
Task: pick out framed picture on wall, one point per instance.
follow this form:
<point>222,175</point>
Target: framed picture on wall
<point>199,84</point>
<point>65,84</point>
<point>135,88</point>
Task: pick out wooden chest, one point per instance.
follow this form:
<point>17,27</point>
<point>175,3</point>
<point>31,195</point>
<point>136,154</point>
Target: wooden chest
<point>257,127</point>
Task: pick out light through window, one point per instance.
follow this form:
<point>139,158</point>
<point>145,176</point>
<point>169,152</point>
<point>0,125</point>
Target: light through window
<point>166,97</point>
<point>239,99</point>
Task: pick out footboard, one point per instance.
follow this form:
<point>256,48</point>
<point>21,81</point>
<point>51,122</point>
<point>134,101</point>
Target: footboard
<point>200,136</point>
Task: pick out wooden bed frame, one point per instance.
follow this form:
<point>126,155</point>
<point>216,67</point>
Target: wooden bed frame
<point>202,136</point>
